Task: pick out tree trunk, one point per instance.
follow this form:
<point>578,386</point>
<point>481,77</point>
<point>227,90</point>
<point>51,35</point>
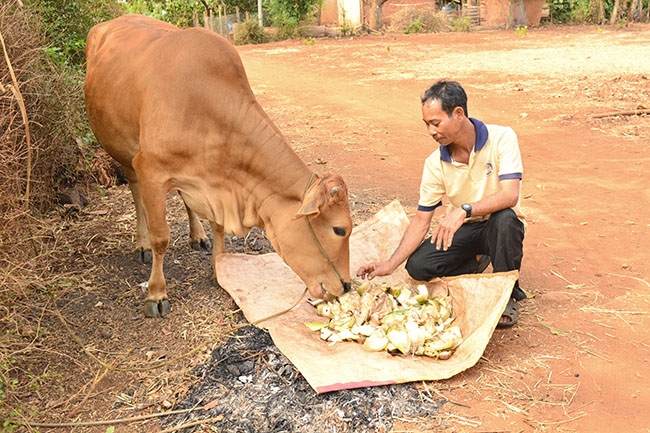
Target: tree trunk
<point>598,11</point>
<point>630,13</point>
<point>376,15</point>
<point>602,19</point>
<point>623,9</point>
<point>614,17</point>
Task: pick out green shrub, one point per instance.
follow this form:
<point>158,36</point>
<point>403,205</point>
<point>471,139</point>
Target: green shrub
<point>581,12</point>
<point>521,31</point>
<point>572,11</point>
<point>415,27</point>
<point>287,15</point>
<point>287,28</point>
<point>462,24</point>
<point>249,32</point>
<point>65,24</point>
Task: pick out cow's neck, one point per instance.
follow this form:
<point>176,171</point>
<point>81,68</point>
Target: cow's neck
<point>279,176</point>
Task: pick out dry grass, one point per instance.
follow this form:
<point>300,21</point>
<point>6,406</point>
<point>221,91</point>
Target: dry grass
<point>42,151</point>
<point>418,20</point>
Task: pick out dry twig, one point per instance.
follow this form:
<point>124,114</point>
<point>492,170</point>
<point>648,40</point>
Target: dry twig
<point>621,113</point>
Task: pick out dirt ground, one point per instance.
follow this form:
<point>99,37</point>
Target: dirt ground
<point>578,359</point>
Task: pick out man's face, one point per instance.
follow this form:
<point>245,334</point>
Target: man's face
<point>443,128</point>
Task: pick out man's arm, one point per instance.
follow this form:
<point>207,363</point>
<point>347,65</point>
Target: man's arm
<point>506,197</point>
<point>412,238</point>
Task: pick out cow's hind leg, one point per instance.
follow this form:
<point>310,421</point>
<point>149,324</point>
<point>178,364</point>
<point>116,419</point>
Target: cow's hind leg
<point>142,244</point>
<point>157,303</point>
<point>218,247</point>
<point>154,199</point>
<point>199,239</point>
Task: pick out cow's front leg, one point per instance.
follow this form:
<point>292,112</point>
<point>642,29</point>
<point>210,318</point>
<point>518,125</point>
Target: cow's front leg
<point>218,247</point>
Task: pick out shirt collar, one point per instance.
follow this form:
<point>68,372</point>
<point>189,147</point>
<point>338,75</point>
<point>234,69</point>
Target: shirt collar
<point>481,139</point>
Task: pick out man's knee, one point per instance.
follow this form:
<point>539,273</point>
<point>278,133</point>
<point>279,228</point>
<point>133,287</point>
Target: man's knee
<point>506,221</point>
<point>416,270</point>
<point>505,217</point>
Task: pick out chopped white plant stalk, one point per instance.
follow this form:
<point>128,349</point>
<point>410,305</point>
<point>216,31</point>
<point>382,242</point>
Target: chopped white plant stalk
<point>398,319</point>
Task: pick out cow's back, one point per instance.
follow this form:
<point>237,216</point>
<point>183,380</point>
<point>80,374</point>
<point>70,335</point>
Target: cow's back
<point>144,73</point>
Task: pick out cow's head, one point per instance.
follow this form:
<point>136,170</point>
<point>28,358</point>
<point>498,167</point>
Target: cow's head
<point>315,243</point>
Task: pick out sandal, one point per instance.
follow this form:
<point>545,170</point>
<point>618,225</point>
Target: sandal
<point>511,313</point>
<point>483,263</point>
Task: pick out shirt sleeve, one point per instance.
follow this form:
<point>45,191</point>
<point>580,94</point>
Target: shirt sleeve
<point>432,187</point>
<point>510,164</point>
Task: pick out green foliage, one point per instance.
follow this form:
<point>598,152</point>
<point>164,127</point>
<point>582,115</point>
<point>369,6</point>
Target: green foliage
<point>177,12</point>
<point>284,20</point>
<point>9,417</point>
<point>571,11</point>
<point>249,32</point>
<point>51,79</point>
<point>181,12</point>
<point>415,27</point>
<point>289,29</point>
<point>521,31</point>
<point>290,10</point>
<point>462,24</point>
<point>286,15</point>
<point>66,23</point>
<point>346,30</point>
<point>581,12</point>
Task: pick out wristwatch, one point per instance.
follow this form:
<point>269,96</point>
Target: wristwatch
<point>467,208</point>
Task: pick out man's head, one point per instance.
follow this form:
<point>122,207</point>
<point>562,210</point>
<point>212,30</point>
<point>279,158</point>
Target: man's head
<point>449,93</point>
<point>444,111</point>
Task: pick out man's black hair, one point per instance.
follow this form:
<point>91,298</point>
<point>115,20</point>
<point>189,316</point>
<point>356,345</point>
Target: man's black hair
<point>449,93</point>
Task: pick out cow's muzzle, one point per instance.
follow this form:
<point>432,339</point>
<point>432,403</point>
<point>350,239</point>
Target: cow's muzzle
<point>327,295</point>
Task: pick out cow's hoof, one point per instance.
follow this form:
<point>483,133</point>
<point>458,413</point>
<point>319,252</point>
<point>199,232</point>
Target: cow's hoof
<point>157,309</point>
<point>143,256</point>
<point>202,244</point>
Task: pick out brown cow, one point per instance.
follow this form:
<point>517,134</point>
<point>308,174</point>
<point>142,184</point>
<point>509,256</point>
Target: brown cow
<point>175,109</point>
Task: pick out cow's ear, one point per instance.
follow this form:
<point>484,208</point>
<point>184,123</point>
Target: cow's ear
<point>313,200</point>
<point>321,194</point>
<point>310,205</point>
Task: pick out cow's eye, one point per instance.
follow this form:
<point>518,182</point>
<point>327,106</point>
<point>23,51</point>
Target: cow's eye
<point>339,231</point>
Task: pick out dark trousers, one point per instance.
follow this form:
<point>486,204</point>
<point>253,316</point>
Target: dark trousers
<point>500,237</point>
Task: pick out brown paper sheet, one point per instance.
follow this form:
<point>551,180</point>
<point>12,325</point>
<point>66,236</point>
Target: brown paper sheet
<point>264,287</point>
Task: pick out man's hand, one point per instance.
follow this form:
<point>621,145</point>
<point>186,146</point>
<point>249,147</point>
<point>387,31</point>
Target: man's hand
<point>375,269</point>
<point>443,234</point>
<point>411,239</point>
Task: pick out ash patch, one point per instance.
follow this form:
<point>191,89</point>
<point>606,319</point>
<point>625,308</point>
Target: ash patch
<point>252,387</point>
